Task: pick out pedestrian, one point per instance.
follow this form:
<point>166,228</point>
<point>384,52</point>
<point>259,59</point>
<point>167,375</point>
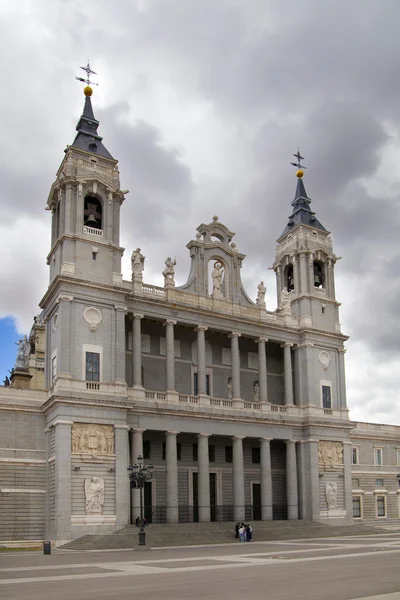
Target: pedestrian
<point>137,521</point>
<point>237,526</point>
<point>249,533</point>
<point>242,531</point>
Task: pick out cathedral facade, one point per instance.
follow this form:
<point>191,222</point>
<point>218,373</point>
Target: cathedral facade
<point>242,411</point>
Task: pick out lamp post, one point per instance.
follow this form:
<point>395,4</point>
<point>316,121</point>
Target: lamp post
<point>138,475</point>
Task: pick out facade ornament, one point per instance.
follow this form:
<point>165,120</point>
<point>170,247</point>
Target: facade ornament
<point>169,271</point>
<point>261,291</point>
<point>330,454</point>
<point>285,302</point>
<point>24,348</point>
<point>97,440</point>
<point>256,391</point>
<point>324,358</point>
<point>331,492</point>
<point>230,388</point>
<point>93,317</point>
<point>217,275</point>
<point>94,495</point>
<point>137,261</point>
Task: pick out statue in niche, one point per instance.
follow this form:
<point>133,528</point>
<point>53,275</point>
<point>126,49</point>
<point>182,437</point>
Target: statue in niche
<point>256,391</point>
<point>169,271</point>
<point>94,495</point>
<point>331,494</point>
<point>285,301</point>
<point>24,348</point>
<point>217,275</point>
<point>261,291</point>
<point>230,388</point>
<point>137,261</point>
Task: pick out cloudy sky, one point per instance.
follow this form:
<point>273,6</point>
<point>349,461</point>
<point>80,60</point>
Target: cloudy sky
<point>203,102</point>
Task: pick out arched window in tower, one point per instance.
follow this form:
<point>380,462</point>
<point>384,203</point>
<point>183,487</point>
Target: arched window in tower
<point>289,278</point>
<point>318,274</point>
<point>93,213</point>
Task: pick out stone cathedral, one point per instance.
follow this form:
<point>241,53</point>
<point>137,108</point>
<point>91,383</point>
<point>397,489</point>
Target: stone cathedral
<point>241,410</point>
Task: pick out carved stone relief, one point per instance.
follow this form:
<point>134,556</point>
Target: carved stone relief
<point>94,495</point>
<point>93,317</point>
<point>92,439</point>
<point>324,358</point>
<point>330,454</point>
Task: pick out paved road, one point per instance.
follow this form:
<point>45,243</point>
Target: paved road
<point>322,569</point>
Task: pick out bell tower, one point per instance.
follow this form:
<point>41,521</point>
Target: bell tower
<point>304,264</point>
<point>85,202</point>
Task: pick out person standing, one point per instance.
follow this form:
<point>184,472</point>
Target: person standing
<point>237,526</point>
<point>249,533</point>
<point>242,532</point>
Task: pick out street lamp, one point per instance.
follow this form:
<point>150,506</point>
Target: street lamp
<point>138,475</point>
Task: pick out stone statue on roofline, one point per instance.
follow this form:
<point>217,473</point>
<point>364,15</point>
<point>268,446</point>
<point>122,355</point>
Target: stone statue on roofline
<point>261,291</point>
<point>169,271</point>
<point>217,275</point>
<point>137,261</point>
<point>285,304</point>
<point>24,347</point>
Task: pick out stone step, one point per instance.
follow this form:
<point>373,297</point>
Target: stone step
<point>214,533</point>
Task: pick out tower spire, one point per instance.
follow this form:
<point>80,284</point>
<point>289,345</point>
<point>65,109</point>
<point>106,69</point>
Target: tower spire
<point>302,213</point>
<point>87,138</point>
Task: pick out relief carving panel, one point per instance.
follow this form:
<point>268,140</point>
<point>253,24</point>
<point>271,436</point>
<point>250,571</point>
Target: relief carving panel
<point>330,454</point>
<point>93,439</point>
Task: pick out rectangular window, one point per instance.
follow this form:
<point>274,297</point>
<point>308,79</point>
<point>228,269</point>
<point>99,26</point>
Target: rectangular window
<point>326,397</point>
<point>228,454</point>
<point>354,455</point>
<point>380,506</point>
<point>146,449</point>
<point>378,482</point>
<point>355,484</point>
<point>356,507</point>
<point>92,366</point>
<point>255,456</point>
<point>195,453</point>
<point>378,456</point>
<point>53,368</point>
<point>211,453</point>
<point>196,386</point>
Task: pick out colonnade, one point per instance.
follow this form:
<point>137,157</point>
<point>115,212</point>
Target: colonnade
<point>238,485</point>
<point>201,361</point>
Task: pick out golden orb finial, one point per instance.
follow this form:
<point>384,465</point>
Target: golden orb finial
<point>87,90</point>
<point>300,173</point>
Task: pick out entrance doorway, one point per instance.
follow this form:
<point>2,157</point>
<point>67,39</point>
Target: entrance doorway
<point>148,501</point>
<point>256,502</point>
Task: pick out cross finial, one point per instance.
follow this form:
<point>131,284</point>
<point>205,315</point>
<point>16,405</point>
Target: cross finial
<point>298,165</point>
<point>89,71</point>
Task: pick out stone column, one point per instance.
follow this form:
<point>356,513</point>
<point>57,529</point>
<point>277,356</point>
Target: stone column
<point>303,274</point>
<point>262,369</point>
<point>265,479</point>
<point>121,474</point>
<point>287,366</point>
<point>235,365</point>
<point>201,360</point>
<point>119,374</point>
<point>309,508</point>
<point>170,354</point>
<point>342,379</point>
<point>348,487</point>
<point>136,450</point>
<point>203,478</point>
<point>238,478</point>
<point>62,466</point>
<point>137,350</point>
<point>291,481</point>
<point>171,469</point>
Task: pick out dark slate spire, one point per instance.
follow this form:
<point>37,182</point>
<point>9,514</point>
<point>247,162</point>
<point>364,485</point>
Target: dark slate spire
<point>87,137</point>
<point>302,213</point>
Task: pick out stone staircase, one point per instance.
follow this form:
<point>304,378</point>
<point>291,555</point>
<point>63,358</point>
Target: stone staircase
<point>185,534</point>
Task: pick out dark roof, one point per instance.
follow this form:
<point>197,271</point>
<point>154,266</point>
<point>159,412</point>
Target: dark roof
<point>87,137</point>
<point>302,213</point>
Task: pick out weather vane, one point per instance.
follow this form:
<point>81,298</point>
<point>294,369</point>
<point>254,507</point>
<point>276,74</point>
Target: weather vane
<point>300,167</point>
<point>89,71</point>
